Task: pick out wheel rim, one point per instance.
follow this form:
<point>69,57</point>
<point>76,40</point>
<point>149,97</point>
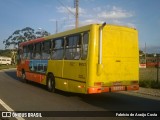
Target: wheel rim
<point>23,76</point>
<point>50,84</point>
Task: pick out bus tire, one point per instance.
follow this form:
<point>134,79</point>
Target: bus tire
<point>51,83</point>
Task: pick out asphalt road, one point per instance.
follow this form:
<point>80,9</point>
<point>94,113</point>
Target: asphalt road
<point>33,97</point>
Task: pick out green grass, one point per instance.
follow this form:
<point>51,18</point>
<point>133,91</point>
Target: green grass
<point>149,84</point>
<point>7,66</point>
<point>148,77</point>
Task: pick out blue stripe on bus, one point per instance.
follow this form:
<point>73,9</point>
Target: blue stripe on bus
<point>39,66</point>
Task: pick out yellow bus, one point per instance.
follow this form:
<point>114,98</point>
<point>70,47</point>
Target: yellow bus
<point>91,59</point>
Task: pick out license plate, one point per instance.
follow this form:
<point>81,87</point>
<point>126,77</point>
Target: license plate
<point>118,88</point>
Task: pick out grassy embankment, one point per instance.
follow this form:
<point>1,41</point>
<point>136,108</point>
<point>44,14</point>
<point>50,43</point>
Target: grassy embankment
<point>7,66</point>
<point>148,78</point>
<point>149,84</point>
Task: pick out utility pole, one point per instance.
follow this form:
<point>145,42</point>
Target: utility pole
<point>145,49</point>
<point>77,12</point>
<point>56,26</point>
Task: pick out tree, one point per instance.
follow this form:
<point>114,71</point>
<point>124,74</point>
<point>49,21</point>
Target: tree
<point>41,33</point>
<point>6,53</point>
<point>22,35</point>
<point>141,52</point>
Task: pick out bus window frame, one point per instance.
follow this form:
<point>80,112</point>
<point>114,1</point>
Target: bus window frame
<point>25,52</point>
<point>31,51</point>
<point>47,51</point>
<point>72,47</point>
<point>54,50</point>
<point>86,57</point>
<point>39,51</point>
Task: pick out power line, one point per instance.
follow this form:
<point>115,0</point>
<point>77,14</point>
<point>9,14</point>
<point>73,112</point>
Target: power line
<point>76,14</point>
<point>66,8</point>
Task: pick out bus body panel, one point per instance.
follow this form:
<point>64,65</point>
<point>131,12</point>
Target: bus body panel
<point>75,70</point>
<point>119,60</point>
<point>120,54</point>
<point>76,73</point>
<point>56,67</point>
<point>92,55</point>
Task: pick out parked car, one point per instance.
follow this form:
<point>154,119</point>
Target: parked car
<point>5,60</point>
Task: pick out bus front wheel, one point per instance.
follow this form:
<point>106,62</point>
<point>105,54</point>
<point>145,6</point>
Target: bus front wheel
<point>23,76</point>
<point>51,83</point>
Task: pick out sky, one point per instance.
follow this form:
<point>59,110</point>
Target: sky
<point>144,15</point>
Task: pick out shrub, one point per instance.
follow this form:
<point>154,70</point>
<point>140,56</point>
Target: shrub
<point>149,84</point>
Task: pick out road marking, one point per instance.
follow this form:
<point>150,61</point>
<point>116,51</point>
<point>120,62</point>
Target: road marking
<point>9,109</point>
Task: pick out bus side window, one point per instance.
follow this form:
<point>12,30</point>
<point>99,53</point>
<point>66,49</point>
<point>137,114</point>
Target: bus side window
<point>85,46</point>
<point>46,49</point>
<point>73,47</point>
<point>25,51</point>
<point>30,52</point>
<point>58,49</point>
<point>19,55</point>
<point>37,51</point>
<point>77,47</point>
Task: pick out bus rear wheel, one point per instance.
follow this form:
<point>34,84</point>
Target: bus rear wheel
<point>51,83</point>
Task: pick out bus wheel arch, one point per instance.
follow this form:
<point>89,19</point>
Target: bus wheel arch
<point>50,83</point>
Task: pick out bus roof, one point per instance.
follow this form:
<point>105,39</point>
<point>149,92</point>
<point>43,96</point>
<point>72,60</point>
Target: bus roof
<point>32,41</point>
<point>73,31</point>
<point>68,32</point>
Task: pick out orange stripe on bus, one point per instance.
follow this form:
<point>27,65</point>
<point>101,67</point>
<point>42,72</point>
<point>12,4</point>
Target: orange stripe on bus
<point>35,77</point>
